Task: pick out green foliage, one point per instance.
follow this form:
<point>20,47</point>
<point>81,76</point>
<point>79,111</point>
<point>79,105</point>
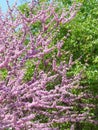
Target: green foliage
<point>30,70</point>
<point>24,9</point>
<point>3,74</point>
<point>83,39</point>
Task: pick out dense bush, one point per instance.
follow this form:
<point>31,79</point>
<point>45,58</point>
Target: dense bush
<point>83,38</point>
<point>37,90</point>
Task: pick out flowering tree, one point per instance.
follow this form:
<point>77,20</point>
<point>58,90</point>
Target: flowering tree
<point>50,97</point>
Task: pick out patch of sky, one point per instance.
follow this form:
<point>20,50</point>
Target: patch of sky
<point>4,7</point>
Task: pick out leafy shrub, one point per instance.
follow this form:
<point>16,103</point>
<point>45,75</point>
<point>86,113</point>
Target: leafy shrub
<point>49,99</point>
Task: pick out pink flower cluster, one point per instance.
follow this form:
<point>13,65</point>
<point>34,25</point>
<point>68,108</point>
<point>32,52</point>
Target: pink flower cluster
<point>23,103</point>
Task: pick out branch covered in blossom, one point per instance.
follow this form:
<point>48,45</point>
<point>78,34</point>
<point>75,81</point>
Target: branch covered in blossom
<point>22,103</point>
